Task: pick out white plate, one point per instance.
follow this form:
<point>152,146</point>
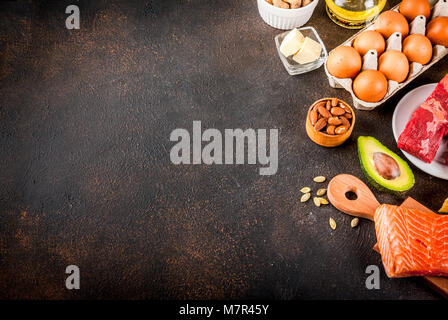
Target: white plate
<point>403,112</point>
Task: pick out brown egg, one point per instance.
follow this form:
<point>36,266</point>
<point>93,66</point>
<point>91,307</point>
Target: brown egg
<point>368,40</point>
<point>370,86</point>
<point>344,62</point>
<point>412,8</point>
<point>417,48</point>
<point>394,65</point>
<point>391,21</point>
<point>437,31</point>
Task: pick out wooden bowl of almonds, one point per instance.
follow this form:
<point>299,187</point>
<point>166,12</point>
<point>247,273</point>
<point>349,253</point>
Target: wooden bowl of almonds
<point>330,122</point>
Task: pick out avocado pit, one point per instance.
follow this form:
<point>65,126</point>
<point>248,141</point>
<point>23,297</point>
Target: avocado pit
<point>386,166</point>
<point>383,168</point>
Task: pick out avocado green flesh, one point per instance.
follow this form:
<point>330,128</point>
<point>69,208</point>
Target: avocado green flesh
<point>367,147</point>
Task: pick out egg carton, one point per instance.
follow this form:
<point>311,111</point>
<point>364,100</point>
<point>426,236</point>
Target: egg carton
<point>394,42</point>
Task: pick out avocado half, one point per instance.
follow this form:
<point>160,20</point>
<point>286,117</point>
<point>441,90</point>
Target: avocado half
<point>384,169</point>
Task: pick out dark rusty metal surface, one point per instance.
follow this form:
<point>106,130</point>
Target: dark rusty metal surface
<point>86,179</point>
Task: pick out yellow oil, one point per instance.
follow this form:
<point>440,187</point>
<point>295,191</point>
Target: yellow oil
<point>354,14</point>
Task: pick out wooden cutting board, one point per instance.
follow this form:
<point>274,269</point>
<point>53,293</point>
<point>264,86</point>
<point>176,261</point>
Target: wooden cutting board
<point>364,206</point>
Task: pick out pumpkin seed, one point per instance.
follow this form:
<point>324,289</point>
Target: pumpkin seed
<point>320,179</point>
<point>305,190</point>
<point>332,224</point>
<point>354,222</point>
<point>305,197</point>
<point>444,208</point>
<point>321,192</point>
<point>316,201</point>
<point>323,201</point>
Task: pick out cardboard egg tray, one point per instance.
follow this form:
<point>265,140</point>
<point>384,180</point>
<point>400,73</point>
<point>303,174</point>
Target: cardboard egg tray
<point>370,59</point>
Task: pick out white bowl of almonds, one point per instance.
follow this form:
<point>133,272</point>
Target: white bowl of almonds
<point>286,14</point>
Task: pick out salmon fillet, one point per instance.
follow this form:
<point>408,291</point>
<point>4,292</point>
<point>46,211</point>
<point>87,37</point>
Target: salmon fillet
<point>412,242</point>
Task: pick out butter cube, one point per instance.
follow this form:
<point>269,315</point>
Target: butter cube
<point>309,52</point>
<point>291,43</point>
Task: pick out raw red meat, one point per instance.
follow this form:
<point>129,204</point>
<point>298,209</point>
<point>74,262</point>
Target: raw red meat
<point>428,125</point>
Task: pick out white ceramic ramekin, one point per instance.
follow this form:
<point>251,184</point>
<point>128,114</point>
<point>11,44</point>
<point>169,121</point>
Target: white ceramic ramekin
<point>285,18</point>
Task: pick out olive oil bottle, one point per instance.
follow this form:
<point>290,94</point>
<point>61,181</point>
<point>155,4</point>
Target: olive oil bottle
<point>354,14</point>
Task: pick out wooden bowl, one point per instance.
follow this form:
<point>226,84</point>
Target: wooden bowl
<point>324,139</point>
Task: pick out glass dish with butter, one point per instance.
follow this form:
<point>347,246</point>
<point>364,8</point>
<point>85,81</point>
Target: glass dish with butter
<point>301,50</point>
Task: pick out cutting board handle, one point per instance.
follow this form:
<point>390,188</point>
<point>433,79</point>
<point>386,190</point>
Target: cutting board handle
<point>363,206</point>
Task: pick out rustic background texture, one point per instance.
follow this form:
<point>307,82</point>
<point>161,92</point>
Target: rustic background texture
<point>85,174</point>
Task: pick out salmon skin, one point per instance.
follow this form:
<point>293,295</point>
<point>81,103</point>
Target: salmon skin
<point>412,242</point>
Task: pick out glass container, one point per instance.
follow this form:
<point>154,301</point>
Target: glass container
<point>354,14</point>
<point>292,66</point>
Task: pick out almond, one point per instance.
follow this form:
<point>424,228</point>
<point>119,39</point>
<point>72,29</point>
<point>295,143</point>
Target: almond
<point>313,117</point>
<point>334,121</point>
<point>330,129</point>
<point>337,111</point>
<point>320,124</point>
<point>334,102</point>
<point>317,105</point>
<point>344,121</point>
<point>341,129</point>
<point>348,115</point>
<point>328,105</point>
<point>324,112</point>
